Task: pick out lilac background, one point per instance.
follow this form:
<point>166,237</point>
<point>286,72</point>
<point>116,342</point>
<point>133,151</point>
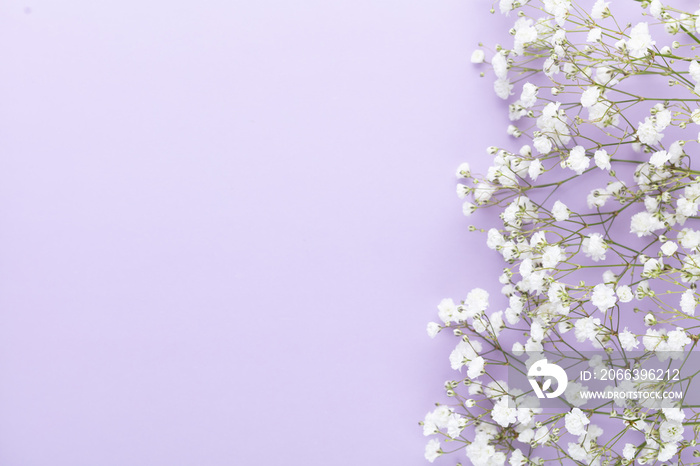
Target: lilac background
<point>224,226</point>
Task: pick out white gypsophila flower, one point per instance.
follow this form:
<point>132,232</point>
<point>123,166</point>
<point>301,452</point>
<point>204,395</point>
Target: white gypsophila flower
<point>464,170</point>
<point>652,268</point>
<point>677,339</point>
<point>483,192</point>
<point>433,450</point>
<point>500,65</point>
<point>609,277</point>
<point>651,204</point>
<point>597,198</point>
<point>560,211</point>
<point>666,452</point>
<point>640,41</point>
<point>674,414</point>
<point>468,208</point>
<point>525,33</point>
<point>577,452</point>
<point>517,458</point>
<point>477,301</point>
<point>647,132</point>
<point>480,453</point>
<point>572,394</point>
<point>576,422</point>
<point>550,67</point>
<point>503,412</point>
<point>594,246</point>
<point>557,8</point>
<point>462,190</point>
<point>599,9</point>
<point>433,329</point>
<point>689,239</point>
<point>628,340</point>
<point>594,35</point>
<point>686,208</point>
<point>536,332</point>
<point>475,367</point>
<point>506,6</point>
<point>601,114</point>
<point>542,144</point>
<point>655,8</point>
<point>675,153</point>
<point>615,188</point>
<point>602,159</point>
<point>551,256</point>
<point>659,158</point>
<point>590,96</point>
<point>553,122</point>
<point>464,353</point>
<point>688,302</point>
<point>669,248</point>
<point>644,224</point>
<point>624,293</point>
<point>436,420</point>
<point>671,431</point>
<point>535,169</point>
<point>478,56</point>
<point>694,70</point>
<point>455,425</point>
<point>662,118</point>
<point>528,97</point>
<point>587,328</point>
<point>494,239</point>
<point>503,88</point>
<point>577,160</point>
<point>603,297</point>
<point>542,435</point>
<point>630,449</point>
<point>447,310</point>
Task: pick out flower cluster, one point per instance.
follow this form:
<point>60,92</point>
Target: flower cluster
<point>611,109</point>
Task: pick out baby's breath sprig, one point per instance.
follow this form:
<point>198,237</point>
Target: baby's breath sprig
<point>594,102</point>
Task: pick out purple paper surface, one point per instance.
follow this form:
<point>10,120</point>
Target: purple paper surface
<point>224,227</point>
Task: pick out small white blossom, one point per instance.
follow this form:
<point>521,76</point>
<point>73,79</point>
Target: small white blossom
<point>624,294</point>
<point>594,246</point>
<point>560,211</point>
<point>587,328</point>
<point>468,208</point>
<point>640,41</point>
<point>590,96</point>
<point>535,169</point>
<point>576,422</point>
<point>602,159</point>
<point>594,35</point>
<point>464,170</point>
<point>644,224</point>
<point>669,248</point>
<point>603,297</point>
<point>477,56</point>
<point>647,132</point>
<point>504,413</point>
<point>628,340</point>
<point>503,88</point>
<point>688,302</point>
<point>433,329</point>
<point>433,450</point>
<point>599,9</point>
<point>542,144</point>
<point>577,160</point>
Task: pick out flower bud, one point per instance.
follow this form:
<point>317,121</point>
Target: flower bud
<point>650,320</point>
